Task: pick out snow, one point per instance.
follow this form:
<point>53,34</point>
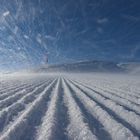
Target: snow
<point>80,106</point>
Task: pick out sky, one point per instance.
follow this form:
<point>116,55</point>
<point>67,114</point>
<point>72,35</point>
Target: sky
<point>64,31</point>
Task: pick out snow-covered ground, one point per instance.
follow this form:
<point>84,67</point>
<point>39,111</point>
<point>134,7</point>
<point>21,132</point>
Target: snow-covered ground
<point>84,106</point>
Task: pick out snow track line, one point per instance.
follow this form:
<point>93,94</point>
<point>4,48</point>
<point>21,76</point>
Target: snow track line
<point>55,120</point>
<point>10,93</point>
<point>116,130</point>
<point>15,97</point>
<point>126,104</point>
<point>17,85</point>
<point>38,114</point>
<point>129,118</point>
<point>18,127</point>
<point>122,95</point>
<point>49,121</point>
<point>95,125</point>
<point>77,128</point>
<point>62,115</point>
<point>113,94</point>
<point>14,87</point>
<point>8,113</point>
<point>62,107</point>
<point>124,91</point>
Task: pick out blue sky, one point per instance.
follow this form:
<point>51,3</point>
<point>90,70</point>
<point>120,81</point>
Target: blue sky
<point>68,31</point>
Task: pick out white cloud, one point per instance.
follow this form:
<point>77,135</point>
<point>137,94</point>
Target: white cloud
<point>102,20</point>
<point>25,36</point>
<point>50,37</point>
<point>6,13</point>
<point>38,39</point>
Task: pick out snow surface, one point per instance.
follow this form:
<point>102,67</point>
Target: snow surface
<point>74,106</point>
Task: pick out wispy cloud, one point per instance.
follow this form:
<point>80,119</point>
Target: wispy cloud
<point>131,17</point>
<point>26,36</point>
<point>49,37</point>
<point>102,20</point>
<point>6,13</point>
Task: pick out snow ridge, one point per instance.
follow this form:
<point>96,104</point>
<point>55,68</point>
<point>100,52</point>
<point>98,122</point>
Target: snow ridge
<point>70,107</point>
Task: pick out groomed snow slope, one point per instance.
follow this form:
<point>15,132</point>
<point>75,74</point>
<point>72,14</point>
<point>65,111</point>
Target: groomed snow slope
<point>70,107</point>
